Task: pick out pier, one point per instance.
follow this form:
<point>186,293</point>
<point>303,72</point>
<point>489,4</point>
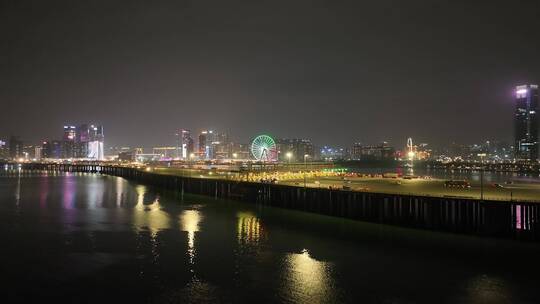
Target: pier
<point>506,219</point>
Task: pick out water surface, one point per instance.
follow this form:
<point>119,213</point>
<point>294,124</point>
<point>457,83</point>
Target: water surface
<point>90,238</point>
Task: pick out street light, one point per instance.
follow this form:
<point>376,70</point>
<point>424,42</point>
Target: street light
<point>305,168</point>
<point>288,155</point>
<point>191,157</point>
<point>482,155</point>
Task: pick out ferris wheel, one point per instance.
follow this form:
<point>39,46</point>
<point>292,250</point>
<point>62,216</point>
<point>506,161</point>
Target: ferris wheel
<point>263,148</point>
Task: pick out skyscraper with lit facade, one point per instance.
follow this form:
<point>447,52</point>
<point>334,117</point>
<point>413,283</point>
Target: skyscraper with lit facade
<point>184,144</point>
<point>95,143</point>
<point>206,138</point>
<point>84,141</point>
<point>69,142</point>
<point>526,122</point>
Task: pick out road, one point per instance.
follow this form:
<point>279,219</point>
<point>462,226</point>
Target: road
<point>429,187</point>
<point>419,186</point>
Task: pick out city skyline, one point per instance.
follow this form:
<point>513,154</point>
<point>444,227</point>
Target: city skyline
<point>168,136</point>
<point>304,151</point>
<point>319,72</point>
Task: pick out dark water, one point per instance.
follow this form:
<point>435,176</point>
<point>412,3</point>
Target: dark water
<point>91,238</point>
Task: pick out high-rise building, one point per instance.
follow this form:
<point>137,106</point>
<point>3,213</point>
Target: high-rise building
<point>356,151</point>
<point>15,147</point>
<point>96,143</point>
<point>68,142</point>
<point>52,149</point>
<point>294,149</point>
<point>38,152</point>
<point>70,133</point>
<point>332,153</point>
<point>214,145</point>
<point>84,141</point>
<point>206,138</point>
<point>4,151</point>
<point>184,144</point>
<point>221,147</point>
<point>526,122</point>
<point>382,151</point>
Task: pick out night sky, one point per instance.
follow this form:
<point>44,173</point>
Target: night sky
<point>333,71</point>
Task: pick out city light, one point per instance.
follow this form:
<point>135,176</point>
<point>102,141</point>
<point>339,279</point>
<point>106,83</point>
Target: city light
<point>263,148</point>
<point>270,152</point>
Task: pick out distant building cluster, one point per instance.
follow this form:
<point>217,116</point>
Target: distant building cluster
<point>78,142</point>
<point>81,142</point>
<point>86,141</point>
<point>204,145</point>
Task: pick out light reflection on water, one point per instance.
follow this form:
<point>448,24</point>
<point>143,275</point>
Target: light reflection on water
<point>306,280</point>
<point>147,214</point>
<point>205,251</point>
<point>249,228</point>
<point>69,191</point>
<point>119,193</point>
<point>189,222</point>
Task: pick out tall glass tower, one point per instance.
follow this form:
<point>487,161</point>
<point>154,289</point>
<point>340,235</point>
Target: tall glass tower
<point>526,122</point>
<point>184,144</point>
<point>95,144</point>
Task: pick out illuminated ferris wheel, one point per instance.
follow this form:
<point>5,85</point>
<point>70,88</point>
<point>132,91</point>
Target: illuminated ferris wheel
<point>263,148</point>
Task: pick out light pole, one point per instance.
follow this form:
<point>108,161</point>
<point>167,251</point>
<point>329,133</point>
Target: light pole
<point>191,156</point>
<point>305,168</point>
<point>482,175</point>
<point>288,155</point>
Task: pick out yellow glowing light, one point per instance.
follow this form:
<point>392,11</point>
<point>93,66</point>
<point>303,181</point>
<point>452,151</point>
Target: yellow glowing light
<point>149,216</point>
<point>249,228</point>
<point>189,222</point>
<point>308,278</point>
<point>410,154</point>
